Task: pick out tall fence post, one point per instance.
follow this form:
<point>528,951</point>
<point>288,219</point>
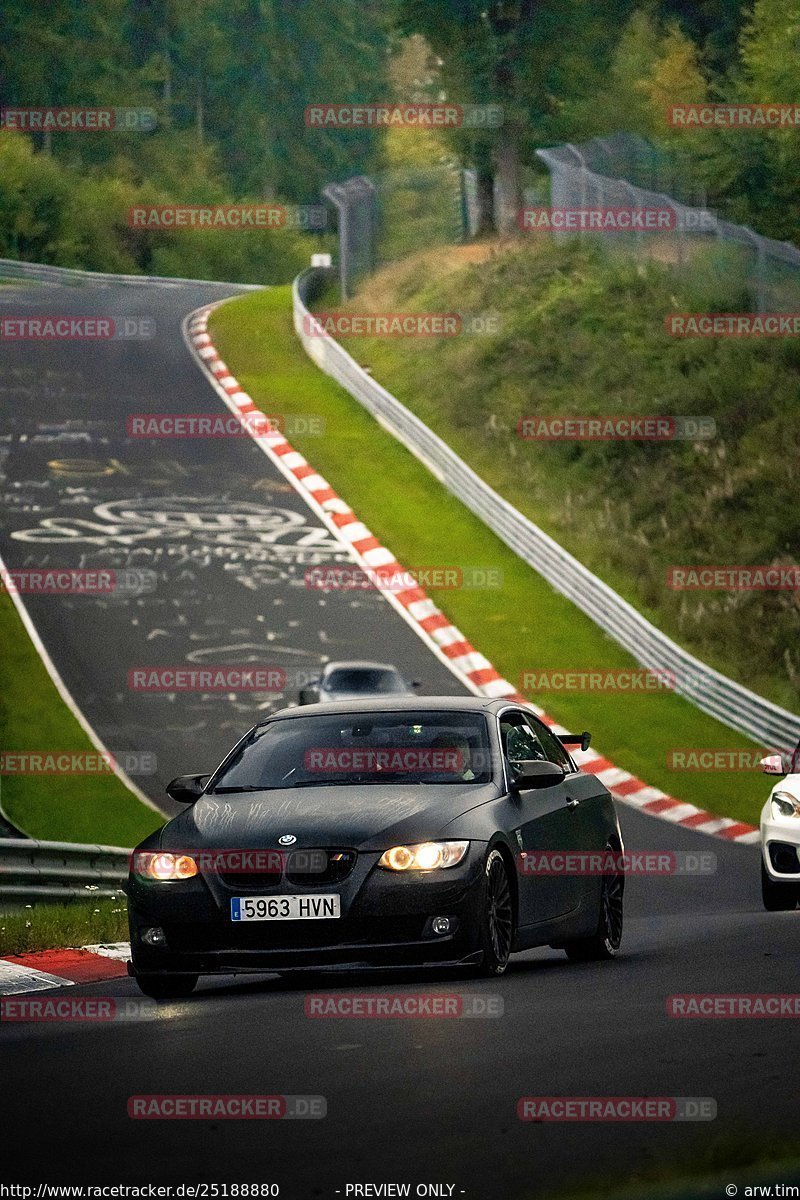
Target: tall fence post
<point>355,202</point>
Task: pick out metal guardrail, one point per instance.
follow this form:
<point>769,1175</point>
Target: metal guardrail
<point>12,268</point>
<point>730,702</point>
<point>58,871</point>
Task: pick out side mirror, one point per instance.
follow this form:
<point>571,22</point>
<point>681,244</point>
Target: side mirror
<point>187,788</point>
<point>306,696</point>
<point>535,773</point>
<point>773,765</point>
<point>416,684</point>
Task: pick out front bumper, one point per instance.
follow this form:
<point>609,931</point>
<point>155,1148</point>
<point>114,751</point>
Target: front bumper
<point>780,845</point>
<point>386,921</point>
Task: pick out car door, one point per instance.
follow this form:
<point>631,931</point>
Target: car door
<point>542,823</point>
<point>586,799</point>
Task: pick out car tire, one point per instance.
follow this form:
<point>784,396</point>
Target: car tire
<point>167,987</point>
<point>497,916</point>
<point>605,942</point>
<point>778,897</point>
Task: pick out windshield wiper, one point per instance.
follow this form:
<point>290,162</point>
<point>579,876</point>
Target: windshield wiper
<point>248,787</point>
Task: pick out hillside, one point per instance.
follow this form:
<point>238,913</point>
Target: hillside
<point>581,335</point>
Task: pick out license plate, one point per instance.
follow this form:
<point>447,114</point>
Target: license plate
<point>285,908</point>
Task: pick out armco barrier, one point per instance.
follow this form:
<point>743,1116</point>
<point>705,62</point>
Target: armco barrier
<point>11,268</point>
<point>714,693</point>
<point>55,871</point>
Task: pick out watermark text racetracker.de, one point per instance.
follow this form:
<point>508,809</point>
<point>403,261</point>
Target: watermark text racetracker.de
<point>184,678</point>
<point>78,1009</point>
<point>616,1108</point>
<point>70,581</point>
<point>214,425</point>
<point>396,115</point>
<point>76,329</point>
<point>399,324</point>
<point>733,116</point>
<point>638,680</point>
<point>229,218</point>
<point>615,428</point>
<point>734,578</point>
<point>598,220</point>
<point>732,325</point>
<point>227,1108</point>
<point>617,862</point>
<point>402,1005</point>
<point>77,762</point>
<point>734,1005</point>
<point>348,578</point>
<point>720,758</point>
<point>373,760</point>
<point>78,120</point>
<point>540,219</point>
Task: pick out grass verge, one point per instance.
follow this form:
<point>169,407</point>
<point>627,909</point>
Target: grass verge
<point>708,1164</point>
<point>66,808</point>
<point>522,626</point>
<point>60,926</point>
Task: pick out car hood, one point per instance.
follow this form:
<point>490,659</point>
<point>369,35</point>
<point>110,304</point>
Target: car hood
<point>366,817</point>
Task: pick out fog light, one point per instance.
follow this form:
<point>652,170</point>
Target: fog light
<point>154,936</point>
<point>784,858</point>
<point>441,925</point>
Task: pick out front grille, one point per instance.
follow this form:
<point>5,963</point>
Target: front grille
<point>340,864</point>
<point>250,881</point>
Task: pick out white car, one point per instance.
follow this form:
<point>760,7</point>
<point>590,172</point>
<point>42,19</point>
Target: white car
<point>780,834</point>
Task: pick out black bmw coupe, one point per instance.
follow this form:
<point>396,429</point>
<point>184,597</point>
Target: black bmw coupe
<point>387,833</point>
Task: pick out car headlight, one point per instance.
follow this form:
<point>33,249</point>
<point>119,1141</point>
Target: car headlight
<point>428,856</point>
<point>164,867</point>
<point>785,805</point>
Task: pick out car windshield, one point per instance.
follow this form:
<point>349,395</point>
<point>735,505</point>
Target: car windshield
<point>363,679</point>
<point>361,748</point>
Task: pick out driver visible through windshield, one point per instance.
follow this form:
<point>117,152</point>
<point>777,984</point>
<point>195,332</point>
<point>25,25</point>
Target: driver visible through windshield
<point>404,747</point>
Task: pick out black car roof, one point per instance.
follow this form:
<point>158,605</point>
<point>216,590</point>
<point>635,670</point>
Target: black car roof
<point>359,664</point>
<point>395,704</point>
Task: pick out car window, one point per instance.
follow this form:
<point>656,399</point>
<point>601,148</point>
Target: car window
<point>519,741</point>
<point>363,679</point>
<point>409,747</point>
<point>552,746</point>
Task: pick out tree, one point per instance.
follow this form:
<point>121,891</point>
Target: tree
<point>484,49</point>
<point>758,169</point>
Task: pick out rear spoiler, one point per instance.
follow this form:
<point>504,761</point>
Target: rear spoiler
<point>575,739</point>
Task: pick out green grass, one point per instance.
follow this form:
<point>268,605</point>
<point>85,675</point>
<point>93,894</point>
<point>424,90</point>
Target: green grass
<point>59,926</point>
<point>582,333</point>
<point>523,626</point>
<point>708,1161</point>
<point>681,1184</point>
<point>68,808</point>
